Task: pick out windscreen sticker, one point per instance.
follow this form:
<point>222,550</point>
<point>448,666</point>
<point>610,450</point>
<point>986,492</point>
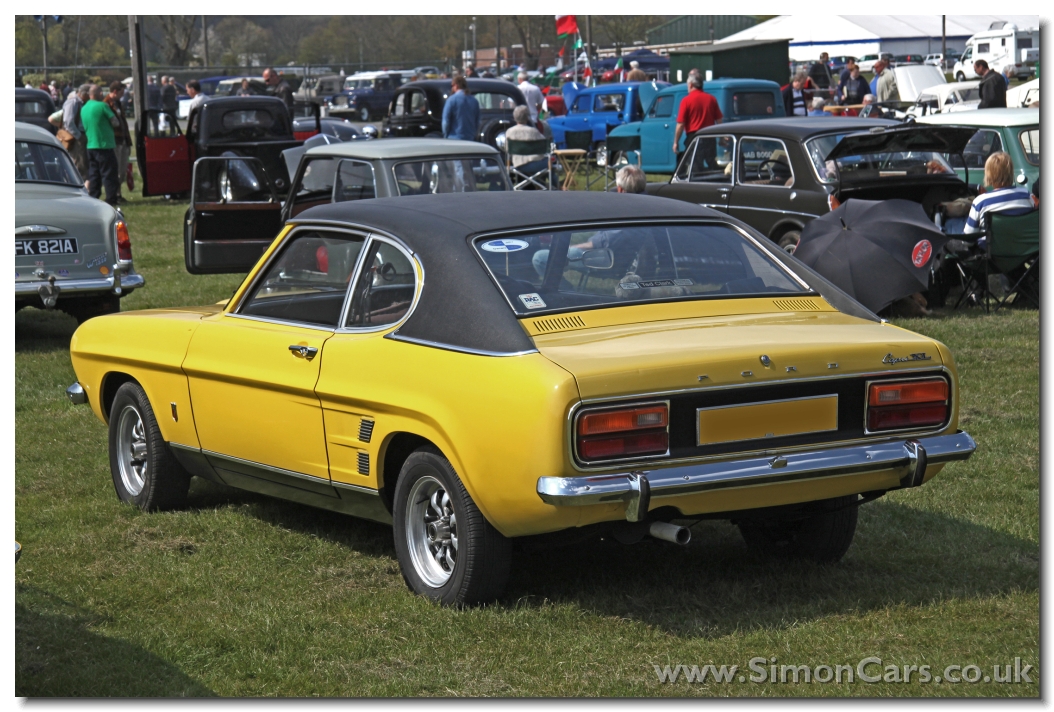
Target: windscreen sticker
<point>652,283</point>
<point>532,301</point>
<point>504,246</point>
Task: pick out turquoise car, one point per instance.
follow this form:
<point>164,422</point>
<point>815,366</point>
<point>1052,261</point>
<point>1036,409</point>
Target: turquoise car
<point>1015,131</point>
<point>739,99</point>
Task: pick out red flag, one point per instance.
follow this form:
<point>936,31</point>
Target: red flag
<point>561,52</point>
<point>566,25</point>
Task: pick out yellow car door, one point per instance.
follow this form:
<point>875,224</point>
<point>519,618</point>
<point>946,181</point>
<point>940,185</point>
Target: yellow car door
<point>253,369</point>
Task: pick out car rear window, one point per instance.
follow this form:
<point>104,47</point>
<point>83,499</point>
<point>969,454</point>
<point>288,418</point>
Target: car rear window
<point>1030,145</point>
<point>585,268</point>
<point>489,100</point>
<point>753,103</point>
<point>871,166</point>
<point>32,107</point>
<point>249,125</point>
<point>450,175</point>
<point>41,163</point>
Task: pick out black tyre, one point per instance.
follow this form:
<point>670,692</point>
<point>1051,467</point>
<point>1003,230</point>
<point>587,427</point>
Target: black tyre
<point>823,537</point>
<point>788,241</point>
<point>447,550</point>
<point>144,471</point>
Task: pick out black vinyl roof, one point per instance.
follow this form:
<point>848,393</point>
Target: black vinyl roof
<point>461,307</point>
<point>437,87</point>
<point>799,128</point>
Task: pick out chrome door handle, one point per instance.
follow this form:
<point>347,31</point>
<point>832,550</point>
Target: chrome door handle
<point>306,352</point>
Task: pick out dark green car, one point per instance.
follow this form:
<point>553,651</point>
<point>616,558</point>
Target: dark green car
<point>1015,131</point>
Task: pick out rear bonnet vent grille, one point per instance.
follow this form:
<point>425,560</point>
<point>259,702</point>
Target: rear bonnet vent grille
<point>558,323</point>
<point>796,304</point>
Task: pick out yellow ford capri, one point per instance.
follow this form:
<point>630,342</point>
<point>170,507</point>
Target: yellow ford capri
<point>477,368</point>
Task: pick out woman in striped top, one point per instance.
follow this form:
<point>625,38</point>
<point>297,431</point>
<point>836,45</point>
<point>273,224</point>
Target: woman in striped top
<point>1002,197</point>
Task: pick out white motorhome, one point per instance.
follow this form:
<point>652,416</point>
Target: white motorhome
<point>1000,45</point>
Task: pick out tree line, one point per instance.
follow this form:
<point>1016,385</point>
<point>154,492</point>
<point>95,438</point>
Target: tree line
<point>344,40</point>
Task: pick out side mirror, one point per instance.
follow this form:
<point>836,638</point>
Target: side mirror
<point>600,258</point>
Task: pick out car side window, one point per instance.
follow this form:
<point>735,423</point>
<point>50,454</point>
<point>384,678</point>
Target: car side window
<point>307,282</point>
<point>400,105</point>
<point>764,161</point>
<point>354,181</point>
<point>712,162</point>
<point>1030,145</point>
<point>662,107</point>
<point>582,105</point>
<point>161,125</point>
<point>418,103</point>
<point>384,290</point>
<point>609,102</point>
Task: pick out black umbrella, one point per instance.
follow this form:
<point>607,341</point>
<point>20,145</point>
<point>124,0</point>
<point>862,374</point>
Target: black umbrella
<point>875,250</point>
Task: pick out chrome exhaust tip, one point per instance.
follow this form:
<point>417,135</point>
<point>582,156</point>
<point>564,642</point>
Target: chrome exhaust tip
<point>670,532</point>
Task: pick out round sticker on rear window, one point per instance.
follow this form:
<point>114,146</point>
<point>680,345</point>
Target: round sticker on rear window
<point>504,245</point>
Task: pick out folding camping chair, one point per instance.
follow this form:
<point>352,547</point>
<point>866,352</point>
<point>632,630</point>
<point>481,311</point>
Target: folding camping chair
<point>1011,249</point>
<point>527,180</point>
<point>616,148</point>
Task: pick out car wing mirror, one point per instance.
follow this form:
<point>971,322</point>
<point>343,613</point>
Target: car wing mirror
<point>598,258</point>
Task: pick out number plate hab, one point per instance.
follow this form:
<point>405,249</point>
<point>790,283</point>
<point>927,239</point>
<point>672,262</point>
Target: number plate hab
<point>47,246</point>
<point>769,419</point>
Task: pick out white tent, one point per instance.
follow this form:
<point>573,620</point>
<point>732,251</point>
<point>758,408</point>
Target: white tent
<point>859,35</point>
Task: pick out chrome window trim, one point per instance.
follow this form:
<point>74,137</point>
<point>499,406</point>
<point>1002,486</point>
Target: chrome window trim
<point>419,285</point>
<point>785,152</point>
<point>805,147</point>
<point>899,431</point>
<point>459,349</point>
<point>772,210</point>
<point>621,406</point>
<point>686,159</point>
<point>340,161</point>
<point>297,228</point>
<point>876,438</point>
<point>473,239</point>
<point>495,158</point>
<point>735,155</point>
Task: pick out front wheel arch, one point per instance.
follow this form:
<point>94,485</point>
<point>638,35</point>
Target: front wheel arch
<point>111,383</point>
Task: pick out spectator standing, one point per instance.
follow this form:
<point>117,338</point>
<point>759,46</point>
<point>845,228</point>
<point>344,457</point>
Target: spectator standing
<point>53,89</point>
<point>698,110</point>
<point>817,107</point>
<point>279,87</point>
<point>847,72</point>
<point>992,87</point>
<point>197,98</point>
<point>245,90</point>
<point>99,123</point>
<point>636,74</point>
<point>153,94</point>
<point>169,96</point>
<point>72,132</point>
<point>1007,71</point>
<point>470,70</point>
<point>796,98</point>
<point>630,179</point>
<point>854,88</point>
<point>461,112</point>
<point>121,135</point>
<point>886,84</point>
<point>820,73</point>
<point>532,94</point>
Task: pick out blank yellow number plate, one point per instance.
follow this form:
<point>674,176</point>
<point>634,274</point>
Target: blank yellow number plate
<point>771,419</point>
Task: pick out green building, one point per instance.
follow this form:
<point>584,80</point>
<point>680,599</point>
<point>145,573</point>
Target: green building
<point>749,59</point>
<point>698,28</point>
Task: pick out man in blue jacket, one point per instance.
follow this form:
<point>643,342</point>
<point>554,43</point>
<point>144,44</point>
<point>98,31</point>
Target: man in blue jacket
<point>461,112</point>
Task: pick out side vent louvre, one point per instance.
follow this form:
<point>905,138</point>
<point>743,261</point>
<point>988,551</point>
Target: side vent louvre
<point>795,305</point>
<point>559,323</point>
<point>364,463</point>
<point>365,430</point>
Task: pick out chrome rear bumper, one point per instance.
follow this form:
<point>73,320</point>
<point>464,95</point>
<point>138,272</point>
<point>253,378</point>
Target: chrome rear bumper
<point>637,488</point>
<point>81,286</point>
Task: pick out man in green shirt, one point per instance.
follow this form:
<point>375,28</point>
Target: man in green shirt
<point>99,122</point>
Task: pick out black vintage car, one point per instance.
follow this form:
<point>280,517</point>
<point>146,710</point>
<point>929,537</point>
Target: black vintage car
<point>417,109</point>
<point>34,106</point>
<point>778,174</point>
<point>254,126</point>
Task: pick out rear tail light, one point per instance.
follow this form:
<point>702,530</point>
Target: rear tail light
<point>615,434</point>
<point>900,405</point>
<point>124,242</point>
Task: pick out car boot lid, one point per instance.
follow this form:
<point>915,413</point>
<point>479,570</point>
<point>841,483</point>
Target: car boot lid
<point>898,139</point>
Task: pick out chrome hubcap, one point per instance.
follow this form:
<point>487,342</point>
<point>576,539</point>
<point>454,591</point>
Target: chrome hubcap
<point>131,450</point>
<point>431,531</point>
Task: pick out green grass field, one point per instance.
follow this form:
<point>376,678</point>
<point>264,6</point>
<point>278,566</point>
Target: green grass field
<point>247,596</point>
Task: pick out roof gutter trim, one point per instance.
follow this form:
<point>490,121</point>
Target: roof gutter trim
<point>395,336</point>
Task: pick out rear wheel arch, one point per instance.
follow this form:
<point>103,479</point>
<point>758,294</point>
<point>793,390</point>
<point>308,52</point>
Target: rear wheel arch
<point>782,228</point>
<point>394,452</point>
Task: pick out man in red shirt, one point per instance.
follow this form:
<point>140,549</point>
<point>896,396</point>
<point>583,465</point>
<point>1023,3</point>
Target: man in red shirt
<point>698,110</point>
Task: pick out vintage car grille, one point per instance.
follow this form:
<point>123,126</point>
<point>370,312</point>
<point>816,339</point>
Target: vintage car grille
<point>852,399</point>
